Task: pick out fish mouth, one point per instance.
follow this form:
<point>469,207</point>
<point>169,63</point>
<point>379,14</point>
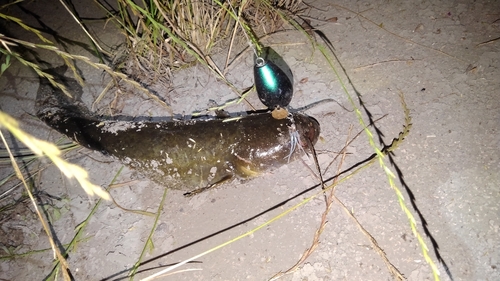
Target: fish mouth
<point>314,130</point>
<point>309,129</point>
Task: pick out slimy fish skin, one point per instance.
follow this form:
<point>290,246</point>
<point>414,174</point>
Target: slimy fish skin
<point>185,155</point>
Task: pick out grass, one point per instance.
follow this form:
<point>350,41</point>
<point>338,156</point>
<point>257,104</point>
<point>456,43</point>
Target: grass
<point>177,34</point>
<point>187,31</point>
<point>43,148</point>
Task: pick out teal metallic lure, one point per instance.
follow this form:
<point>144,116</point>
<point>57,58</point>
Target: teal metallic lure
<point>274,88</point>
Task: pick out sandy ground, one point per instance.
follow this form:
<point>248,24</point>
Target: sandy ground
<point>430,51</point>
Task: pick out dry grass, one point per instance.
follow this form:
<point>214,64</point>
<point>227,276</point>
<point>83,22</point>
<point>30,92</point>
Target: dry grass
<point>176,34</point>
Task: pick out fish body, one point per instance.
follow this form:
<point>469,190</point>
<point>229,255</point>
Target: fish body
<point>186,155</point>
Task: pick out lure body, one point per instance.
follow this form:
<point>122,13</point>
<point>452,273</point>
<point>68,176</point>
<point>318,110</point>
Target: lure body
<point>273,86</point>
<point>185,155</point>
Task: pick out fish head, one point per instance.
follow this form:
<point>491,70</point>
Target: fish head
<point>308,128</point>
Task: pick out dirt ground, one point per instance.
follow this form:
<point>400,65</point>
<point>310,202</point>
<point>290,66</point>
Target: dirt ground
<point>440,54</point>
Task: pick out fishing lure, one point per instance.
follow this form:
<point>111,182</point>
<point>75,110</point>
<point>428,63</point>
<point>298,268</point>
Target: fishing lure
<point>187,155</point>
<point>273,86</point>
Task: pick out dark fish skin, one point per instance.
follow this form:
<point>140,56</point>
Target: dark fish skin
<point>185,155</point>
